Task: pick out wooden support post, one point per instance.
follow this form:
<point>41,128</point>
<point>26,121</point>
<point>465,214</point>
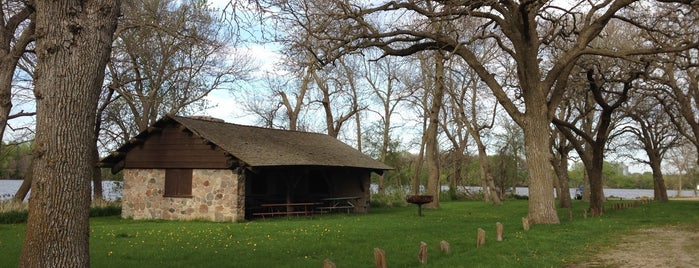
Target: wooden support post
<point>525,224</point>
<point>499,230</point>
<point>444,246</point>
<point>422,255</point>
<point>481,238</point>
<point>327,263</point>
<point>585,214</point>
<point>380,257</point>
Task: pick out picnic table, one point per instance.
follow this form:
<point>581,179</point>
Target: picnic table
<point>338,203</point>
<point>274,209</point>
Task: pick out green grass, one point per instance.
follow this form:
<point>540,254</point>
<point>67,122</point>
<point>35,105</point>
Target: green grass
<point>348,240</point>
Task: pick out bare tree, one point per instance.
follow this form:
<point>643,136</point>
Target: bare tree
<point>72,52</point>
<point>16,33</point>
<point>684,165</point>
<point>471,112</point>
<point>421,104</point>
<point>511,153</point>
<point>678,76</point>
<point>167,57</point>
<point>333,96</point>
<point>592,143</point>
<point>655,134</point>
<point>561,147</point>
<point>522,31</point>
<point>383,77</point>
<point>455,130</point>
<point>431,142</point>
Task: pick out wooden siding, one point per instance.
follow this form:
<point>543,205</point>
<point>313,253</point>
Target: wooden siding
<point>176,148</point>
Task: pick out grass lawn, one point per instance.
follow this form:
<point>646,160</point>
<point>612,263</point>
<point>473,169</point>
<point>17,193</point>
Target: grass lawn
<point>348,240</point>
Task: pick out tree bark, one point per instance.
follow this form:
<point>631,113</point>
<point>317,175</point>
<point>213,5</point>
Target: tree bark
<point>659,189</point>
<point>72,47</point>
<point>23,190</point>
<point>432,145</point>
<point>542,207</point>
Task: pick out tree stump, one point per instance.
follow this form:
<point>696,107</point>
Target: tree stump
<point>525,224</point>
<point>327,263</point>
<point>444,246</point>
<point>481,238</point>
<point>499,230</point>
<point>380,258</point>
<point>422,255</point>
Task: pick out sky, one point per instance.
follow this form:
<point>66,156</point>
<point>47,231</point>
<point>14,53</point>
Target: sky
<point>224,104</point>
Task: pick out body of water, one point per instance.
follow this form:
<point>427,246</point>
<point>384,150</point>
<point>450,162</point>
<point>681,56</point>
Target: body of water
<point>110,189</point>
<point>609,193</point>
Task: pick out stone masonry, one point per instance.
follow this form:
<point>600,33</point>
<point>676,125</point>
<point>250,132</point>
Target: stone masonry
<point>218,195</point>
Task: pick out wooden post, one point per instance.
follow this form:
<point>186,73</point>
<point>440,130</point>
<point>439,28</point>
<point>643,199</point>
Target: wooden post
<point>570,215</point>
<point>499,230</point>
<point>380,257</point>
<point>327,263</point>
<point>525,224</point>
<point>422,255</point>
<point>585,214</point>
<point>444,246</point>
<point>481,238</point>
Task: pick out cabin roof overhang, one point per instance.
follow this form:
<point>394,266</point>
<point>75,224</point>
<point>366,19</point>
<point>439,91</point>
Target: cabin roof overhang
<point>255,147</point>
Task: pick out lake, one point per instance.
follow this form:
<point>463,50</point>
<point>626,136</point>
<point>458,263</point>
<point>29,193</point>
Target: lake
<point>112,191</point>
<point>614,193</point>
<point>8,188</point>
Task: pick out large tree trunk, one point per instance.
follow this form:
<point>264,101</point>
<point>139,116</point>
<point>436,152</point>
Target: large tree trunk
<point>594,173</point>
<point>561,168</point>
<point>659,189</point>
<point>432,145</point>
<point>542,207</point>
<point>72,46</point>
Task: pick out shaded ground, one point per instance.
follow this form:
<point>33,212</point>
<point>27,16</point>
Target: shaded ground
<point>670,246</point>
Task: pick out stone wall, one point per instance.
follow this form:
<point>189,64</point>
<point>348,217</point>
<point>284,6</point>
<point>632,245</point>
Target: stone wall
<point>218,195</point>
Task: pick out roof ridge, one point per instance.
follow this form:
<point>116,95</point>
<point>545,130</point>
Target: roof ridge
<point>216,120</point>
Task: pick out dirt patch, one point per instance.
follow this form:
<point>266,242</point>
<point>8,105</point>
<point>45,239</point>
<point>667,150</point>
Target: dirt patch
<point>672,246</point>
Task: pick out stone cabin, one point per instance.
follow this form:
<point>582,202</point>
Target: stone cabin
<point>185,168</point>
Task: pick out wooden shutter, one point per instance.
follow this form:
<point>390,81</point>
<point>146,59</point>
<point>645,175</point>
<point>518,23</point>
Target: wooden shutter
<point>178,183</point>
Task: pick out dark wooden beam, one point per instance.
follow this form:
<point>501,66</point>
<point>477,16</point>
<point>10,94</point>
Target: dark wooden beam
<point>154,129</point>
<point>118,167</point>
<point>118,154</point>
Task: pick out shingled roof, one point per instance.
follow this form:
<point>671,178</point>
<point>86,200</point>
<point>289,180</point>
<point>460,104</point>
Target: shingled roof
<point>264,147</point>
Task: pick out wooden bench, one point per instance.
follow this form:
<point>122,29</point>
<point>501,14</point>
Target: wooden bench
<point>287,209</point>
<point>331,209</point>
<point>338,203</point>
<point>279,213</point>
